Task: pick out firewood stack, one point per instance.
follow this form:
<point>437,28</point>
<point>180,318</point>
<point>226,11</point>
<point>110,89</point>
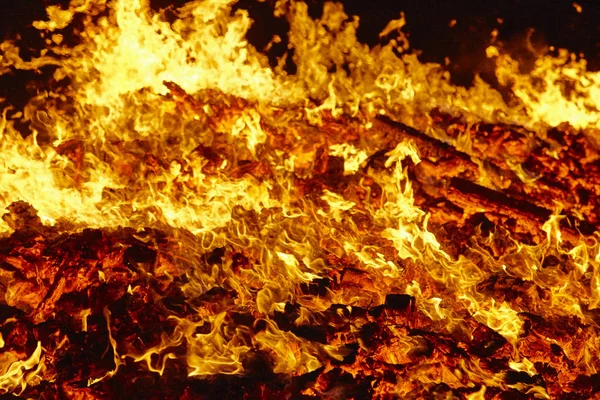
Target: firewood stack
<point>97,313</point>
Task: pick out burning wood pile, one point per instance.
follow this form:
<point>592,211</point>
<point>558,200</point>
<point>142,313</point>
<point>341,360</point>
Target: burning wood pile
<point>359,229</point>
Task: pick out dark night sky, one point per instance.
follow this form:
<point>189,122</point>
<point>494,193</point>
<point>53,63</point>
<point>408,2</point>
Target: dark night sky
<point>555,22</point>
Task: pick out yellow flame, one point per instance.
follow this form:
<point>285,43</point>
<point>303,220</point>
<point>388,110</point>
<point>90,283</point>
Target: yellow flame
<point>16,375</point>
<point>123,145</point>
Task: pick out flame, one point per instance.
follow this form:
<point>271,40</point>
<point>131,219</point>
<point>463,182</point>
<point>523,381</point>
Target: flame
<point>558,90</point>
<point>17,374</point>
<point>122,142</point>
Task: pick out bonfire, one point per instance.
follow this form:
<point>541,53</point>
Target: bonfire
<point>183,218</point>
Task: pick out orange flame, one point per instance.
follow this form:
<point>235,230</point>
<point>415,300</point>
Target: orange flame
<point>121,145</point>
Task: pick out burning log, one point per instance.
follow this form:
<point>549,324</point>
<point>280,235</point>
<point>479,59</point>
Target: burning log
<point>531,202</point>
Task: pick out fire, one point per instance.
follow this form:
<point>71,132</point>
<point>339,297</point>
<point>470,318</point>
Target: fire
<point>184,209</point>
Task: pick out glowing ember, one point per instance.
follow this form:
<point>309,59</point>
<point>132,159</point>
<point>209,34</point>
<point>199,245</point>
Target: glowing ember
<point>181,217</point>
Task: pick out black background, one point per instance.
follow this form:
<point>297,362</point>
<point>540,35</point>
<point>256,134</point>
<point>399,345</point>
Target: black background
<point>554,22</point>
